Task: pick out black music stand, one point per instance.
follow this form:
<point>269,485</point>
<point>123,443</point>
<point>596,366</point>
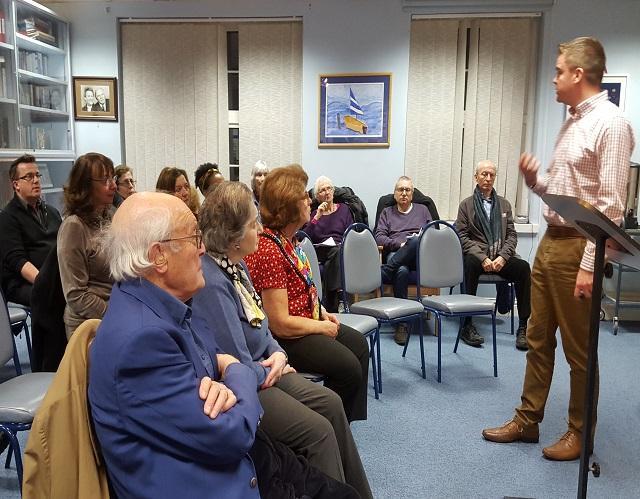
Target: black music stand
<point>620,248</point>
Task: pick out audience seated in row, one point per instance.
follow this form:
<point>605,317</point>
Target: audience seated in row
<point>306,416</point>
<point>173,416</point>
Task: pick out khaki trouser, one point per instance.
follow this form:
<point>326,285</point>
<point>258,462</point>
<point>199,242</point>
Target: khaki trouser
<point>553,305</point>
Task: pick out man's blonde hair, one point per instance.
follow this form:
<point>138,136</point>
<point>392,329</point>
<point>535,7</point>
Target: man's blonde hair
<point>587,53</point>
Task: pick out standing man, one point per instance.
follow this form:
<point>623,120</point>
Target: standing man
<point>591,162</point>
<point>28,229</point>
<point>397,233</point>
<point>489,240</point>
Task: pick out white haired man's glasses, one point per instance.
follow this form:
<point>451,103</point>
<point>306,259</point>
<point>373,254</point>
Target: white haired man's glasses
<point>197,236</point>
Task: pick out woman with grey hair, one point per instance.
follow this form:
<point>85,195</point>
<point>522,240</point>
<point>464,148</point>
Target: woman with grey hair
<point>305,416</point>
<point>325,229</point>
<point>258,173</point>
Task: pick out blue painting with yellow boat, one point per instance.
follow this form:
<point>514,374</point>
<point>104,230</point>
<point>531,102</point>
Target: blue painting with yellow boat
<point>354,110</point>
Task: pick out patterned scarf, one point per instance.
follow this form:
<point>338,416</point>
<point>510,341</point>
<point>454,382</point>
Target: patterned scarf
<point>250,300</point>
<point>492,226</point>
<point>300,263</point>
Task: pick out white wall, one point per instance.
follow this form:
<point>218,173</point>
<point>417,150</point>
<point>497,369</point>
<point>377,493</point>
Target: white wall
<point>362,36</point>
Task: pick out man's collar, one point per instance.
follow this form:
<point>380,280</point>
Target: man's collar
<point>24,203</point>
<point>588,105</point>
<point>157,299</point>
<point>404,212</point>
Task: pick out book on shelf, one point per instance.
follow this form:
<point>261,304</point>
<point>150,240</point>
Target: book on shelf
<point>4,132</point>
<point>39,29</point>
<point>33,137</point>
<point>35,62</point>
<point>48,97</point>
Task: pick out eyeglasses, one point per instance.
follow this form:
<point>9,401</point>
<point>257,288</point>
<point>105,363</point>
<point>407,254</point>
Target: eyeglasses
<point>329,188</point>
<point>184,187</point>
<point>197,236</point>
<point>128,181</point>
<point>403,189</point>
<point>31,177</point>
<point>486,174</point>
<point>106,180</point>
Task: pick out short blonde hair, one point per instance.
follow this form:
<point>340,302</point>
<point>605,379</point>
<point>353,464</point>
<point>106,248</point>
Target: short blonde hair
<point>587,53</point>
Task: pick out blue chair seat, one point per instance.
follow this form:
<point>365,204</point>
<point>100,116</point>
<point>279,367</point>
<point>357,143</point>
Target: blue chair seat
<point>20,397</point>
<point>456,304</point>
<point>386,308</point>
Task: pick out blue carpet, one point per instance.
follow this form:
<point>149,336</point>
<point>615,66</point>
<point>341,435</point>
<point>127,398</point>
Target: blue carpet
<point>422,439</point>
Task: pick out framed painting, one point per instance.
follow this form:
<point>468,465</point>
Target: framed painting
<point>616,87</point>
<point>354,110</point>
<point>95,98</point>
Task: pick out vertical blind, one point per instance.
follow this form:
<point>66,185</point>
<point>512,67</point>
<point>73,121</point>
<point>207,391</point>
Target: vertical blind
<point>475,108</point>
<point>172,81</point>
<point>270,76</point>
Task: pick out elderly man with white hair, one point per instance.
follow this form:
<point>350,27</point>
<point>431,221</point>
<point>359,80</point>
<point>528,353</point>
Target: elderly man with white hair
<point>173,417</point>
<point>489,240</point>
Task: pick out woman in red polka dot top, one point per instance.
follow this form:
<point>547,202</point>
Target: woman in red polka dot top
<point>313,338</point>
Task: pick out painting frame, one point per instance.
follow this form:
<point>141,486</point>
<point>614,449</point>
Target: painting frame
<point>354,110</point>
<point>91,87</point>
<point>616,87</point>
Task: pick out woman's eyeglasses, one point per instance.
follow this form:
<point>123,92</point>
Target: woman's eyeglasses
<point>130,182</point>
<point>106,180</point>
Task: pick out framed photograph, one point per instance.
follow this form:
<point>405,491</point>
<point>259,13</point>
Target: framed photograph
<point>95,99</point>
<point>616,86</point>
<point>354,110</point>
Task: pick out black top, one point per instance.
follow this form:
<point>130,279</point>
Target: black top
<point>23,238</point>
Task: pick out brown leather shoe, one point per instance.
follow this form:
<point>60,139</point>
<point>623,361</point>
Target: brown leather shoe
<point>566,449</point>
<point>511,432</point>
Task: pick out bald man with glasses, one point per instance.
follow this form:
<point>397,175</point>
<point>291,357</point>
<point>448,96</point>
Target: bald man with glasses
<point>29,228</point>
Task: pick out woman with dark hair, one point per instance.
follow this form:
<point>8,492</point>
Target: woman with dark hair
<point>207,175</point>
<point>125,184</point>
<point>312,337</point>
<point>174,181</point>
<point>88,198</point>
<point>305,416</point>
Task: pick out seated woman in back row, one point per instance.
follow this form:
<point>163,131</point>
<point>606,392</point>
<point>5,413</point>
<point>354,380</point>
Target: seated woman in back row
<point>312,337</point>
<point>305,416</point>
<point>326,229</point>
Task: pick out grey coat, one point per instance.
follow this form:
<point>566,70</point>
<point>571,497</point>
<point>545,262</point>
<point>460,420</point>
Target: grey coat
<point>472,237</point>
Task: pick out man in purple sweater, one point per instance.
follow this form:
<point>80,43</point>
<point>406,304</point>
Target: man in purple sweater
<point>397,233</point>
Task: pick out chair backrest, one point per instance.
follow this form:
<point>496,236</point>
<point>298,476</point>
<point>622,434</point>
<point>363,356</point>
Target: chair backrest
<point>7,345</point>
<point>439,257</point>
<point>310,251</point>
<point>360,260</point>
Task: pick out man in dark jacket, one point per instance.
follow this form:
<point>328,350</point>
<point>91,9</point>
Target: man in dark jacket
<point>489,241</point>
<point>29,229</point>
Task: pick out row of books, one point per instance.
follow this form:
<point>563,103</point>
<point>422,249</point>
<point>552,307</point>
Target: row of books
<point>36,62</point>
<point>3,27</point>
<point>34,137</point>
<point>39,29</point>
<point>4,132</point>
<point>42,96</point>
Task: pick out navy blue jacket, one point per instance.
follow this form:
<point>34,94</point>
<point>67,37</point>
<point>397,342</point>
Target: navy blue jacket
<point>145,371</point>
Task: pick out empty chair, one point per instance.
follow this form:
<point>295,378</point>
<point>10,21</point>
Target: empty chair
<point>21,396</point>
<point>439,264</point>
<point>363,324</point>
<point>361,274</point>
<point>18,316</point>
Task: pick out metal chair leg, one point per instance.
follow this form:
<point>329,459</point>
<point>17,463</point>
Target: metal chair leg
<point>424,372</point>
<point>495,347</point>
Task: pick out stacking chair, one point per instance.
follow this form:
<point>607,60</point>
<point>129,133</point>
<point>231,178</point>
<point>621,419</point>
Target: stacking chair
<point>440,265</point>
<point>363,324</point>
<point>20,397</point>
<point>361,274</point>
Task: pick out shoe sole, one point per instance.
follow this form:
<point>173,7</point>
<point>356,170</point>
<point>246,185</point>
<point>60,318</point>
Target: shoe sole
<point>524,439</point>
<point>472,343</point>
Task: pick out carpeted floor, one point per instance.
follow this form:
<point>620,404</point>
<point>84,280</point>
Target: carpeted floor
<point>422,439</point>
